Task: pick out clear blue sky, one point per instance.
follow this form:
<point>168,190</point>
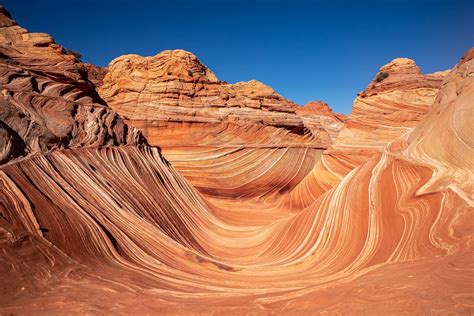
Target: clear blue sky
<point>305,50</point>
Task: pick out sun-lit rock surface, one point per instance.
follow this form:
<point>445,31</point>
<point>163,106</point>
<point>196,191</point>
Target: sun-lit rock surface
<point>391,107</point>
<point>174,94</point>
<point>318,116</point>
<point>118,229</point>
<point>392,104</point>
<point>46,101</point>
<point>238,140</point>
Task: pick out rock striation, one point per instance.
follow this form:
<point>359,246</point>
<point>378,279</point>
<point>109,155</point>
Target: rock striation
<point>390,106</point>
<point>46,101</point>
<point>319,117</point>
<point>393,104</point>
<point>235,139</point>
<point>173,92</point>
<point>101,222</point>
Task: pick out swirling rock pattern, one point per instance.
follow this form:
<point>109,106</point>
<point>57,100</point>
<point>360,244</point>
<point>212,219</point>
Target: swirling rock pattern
<point>389,107</point>
<point>46,101</point>
<point>118,229</point>
<point>229,140</point>
<point>392,105</point>
<point>200,143</point>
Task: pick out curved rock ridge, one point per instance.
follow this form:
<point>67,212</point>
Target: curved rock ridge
<point>246,227</point>
<point>134,227</point>
<point>392,105</point>
<point>230,140</point>
<point>453,156</point>
<point>46,101</point>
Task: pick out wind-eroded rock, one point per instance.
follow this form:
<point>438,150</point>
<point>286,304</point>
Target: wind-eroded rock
<point>46,101</point>
<point>232,139</point>
<point>173,92</point>
<point>255,226</point>
<point>377,241</point>
<point>154,92</point>
<point>319,117</point>
<point>392,105</point>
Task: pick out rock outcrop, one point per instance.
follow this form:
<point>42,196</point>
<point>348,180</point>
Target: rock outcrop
<point>392,105</point>
<point>105,224</point>
<point>244,134</point>
<point>46,101</point>
<point>319,117</point>
<point>174,94</point>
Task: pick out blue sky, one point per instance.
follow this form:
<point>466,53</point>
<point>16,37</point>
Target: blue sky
<point>305,50</point>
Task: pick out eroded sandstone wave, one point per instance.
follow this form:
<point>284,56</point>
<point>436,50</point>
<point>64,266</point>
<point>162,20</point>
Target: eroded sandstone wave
<point>298,219</point>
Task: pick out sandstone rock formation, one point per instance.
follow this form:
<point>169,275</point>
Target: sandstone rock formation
<point>389,107</point>
<point>46,101</point>
<point>392,104</point>
<point>314,225</point>
<point>173,93</point>
<point>230,138</point>
<point>319,118</point>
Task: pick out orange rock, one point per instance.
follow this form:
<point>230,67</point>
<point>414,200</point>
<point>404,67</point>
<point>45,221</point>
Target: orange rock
<point>387,109</point>
<point>46,101</point>
<point>191,115</point>
<point>154,93</point>
<point>379,223</point>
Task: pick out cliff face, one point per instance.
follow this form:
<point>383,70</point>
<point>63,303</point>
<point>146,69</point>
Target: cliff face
<point>392,104</point>
<point>46,101</point>
<point>250,216</point>
<point>234,140</point>
<point>160,94</point>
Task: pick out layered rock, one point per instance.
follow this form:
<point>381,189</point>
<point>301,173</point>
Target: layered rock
<point>135,225</point>
<point>392,105</point>
<point>117,229</point>
<point>449,150</point>
<point>47,101</point>
<point>174,94</point>
<point>319,117</point>
<point>319,108</point>
<point>229,139</point>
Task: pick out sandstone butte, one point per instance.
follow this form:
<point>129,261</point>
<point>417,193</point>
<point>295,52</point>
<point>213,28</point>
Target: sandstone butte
<point>150,186</point>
